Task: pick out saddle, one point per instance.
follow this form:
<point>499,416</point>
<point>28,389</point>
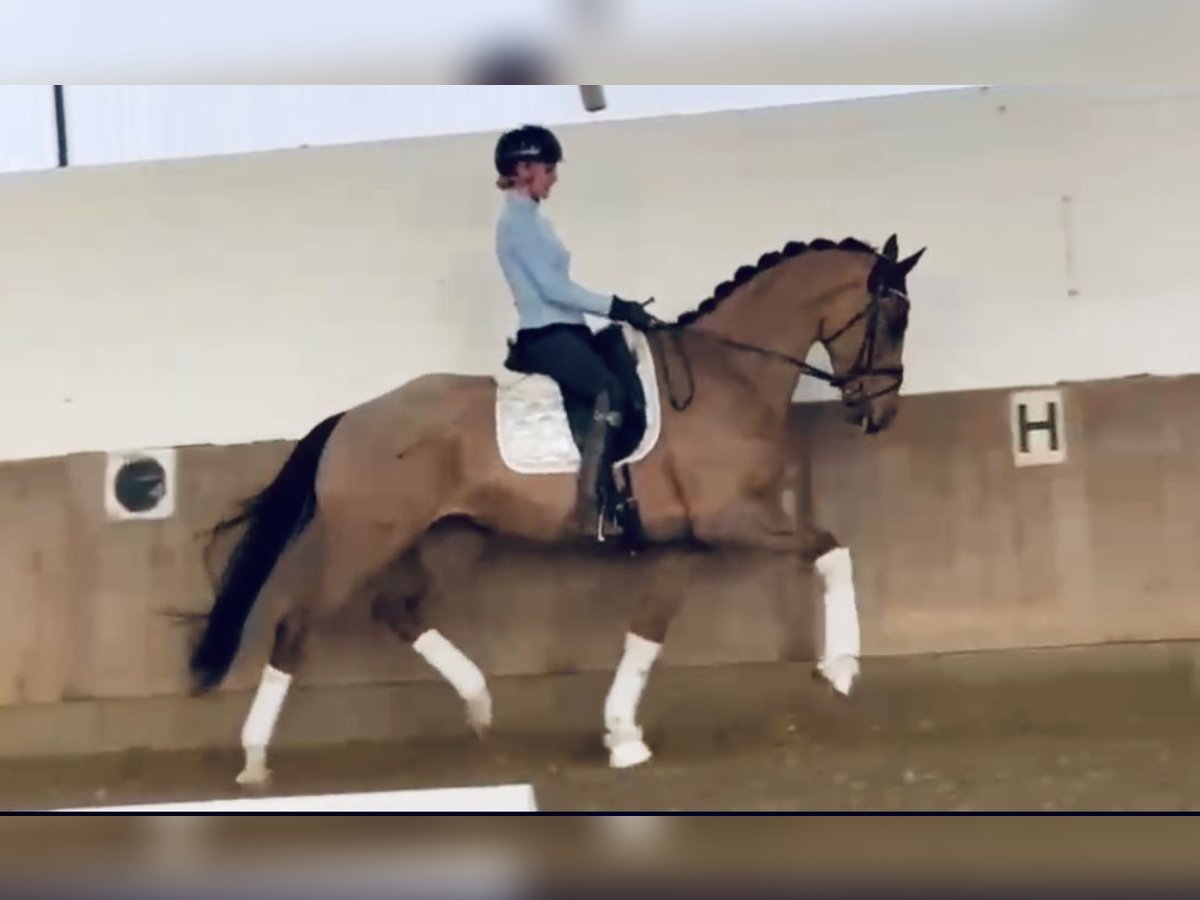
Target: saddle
<point>620,517</point>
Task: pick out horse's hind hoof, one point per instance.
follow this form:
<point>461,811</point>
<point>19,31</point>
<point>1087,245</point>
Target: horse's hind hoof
<point>479,713</point>
<point>254,778</point>
<point>629,755</point>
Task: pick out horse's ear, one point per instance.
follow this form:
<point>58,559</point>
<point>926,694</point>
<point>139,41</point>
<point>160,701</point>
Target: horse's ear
<point>911,263</point>
<point>892,248</point>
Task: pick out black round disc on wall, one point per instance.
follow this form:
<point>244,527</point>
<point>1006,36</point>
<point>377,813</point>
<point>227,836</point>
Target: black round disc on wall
<point>140,485</point>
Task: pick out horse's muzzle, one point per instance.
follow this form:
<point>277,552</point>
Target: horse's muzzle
<point>861,417</point>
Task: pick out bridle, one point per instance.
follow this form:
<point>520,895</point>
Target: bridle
<point>863,366</point>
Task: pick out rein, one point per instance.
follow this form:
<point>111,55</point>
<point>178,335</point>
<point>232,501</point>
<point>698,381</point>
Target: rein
<point>863,367</point>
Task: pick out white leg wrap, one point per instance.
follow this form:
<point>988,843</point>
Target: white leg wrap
<point>463,675</point>
<point>260,723</point>
<point>839,659</point>
<point>452,663</point>
<point>264,711</point>
<point>624,738</point>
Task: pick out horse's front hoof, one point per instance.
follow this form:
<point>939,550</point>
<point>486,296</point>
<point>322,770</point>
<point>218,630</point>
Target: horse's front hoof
<point>840,673</point>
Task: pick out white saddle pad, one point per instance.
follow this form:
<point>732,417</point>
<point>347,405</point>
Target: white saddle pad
<point>531,420</point>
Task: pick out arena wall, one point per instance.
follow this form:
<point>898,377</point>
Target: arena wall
<point>242,299</point>
<point>957,549</point>
<point>223,307</point>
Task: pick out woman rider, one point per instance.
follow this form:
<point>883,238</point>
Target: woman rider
<point>553,337</point>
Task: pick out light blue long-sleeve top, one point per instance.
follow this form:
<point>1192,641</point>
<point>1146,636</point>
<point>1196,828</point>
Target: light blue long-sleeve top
<point>536,266</point>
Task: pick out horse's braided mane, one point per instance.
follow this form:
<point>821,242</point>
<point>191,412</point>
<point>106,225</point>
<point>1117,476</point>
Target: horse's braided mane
<point>768,261</point>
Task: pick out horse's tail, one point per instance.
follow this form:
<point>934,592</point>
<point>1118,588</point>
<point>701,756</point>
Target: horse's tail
<point>276,515</point>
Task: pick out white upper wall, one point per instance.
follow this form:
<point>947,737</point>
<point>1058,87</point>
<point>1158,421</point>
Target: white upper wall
<point>109,124</point>
<point>244,298</point>
<point>28,138</point>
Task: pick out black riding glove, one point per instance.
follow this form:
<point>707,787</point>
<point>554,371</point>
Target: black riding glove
<point>633,313</point>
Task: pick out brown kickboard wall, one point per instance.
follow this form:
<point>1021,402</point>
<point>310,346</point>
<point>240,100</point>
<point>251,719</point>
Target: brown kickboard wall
<point>955,549</point>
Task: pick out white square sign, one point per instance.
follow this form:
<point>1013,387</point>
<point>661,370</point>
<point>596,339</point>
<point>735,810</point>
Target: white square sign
<point>1039,427</point>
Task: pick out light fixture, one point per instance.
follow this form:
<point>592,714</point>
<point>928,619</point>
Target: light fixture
<point>593,97</point>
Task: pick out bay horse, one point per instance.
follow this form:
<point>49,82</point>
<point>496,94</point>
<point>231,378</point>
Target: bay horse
<point>363,488</point>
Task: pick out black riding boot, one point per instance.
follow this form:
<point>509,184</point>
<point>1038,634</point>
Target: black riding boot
<point>595,460</point>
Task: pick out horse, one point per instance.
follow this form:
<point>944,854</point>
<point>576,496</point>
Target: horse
<point>363,488</point>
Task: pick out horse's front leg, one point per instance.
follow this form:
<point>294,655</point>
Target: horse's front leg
<point>764,526</point>
<point>842,646</point>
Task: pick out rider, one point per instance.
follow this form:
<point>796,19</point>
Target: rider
<point>553,337</point>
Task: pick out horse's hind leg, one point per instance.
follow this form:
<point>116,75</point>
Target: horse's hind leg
<point>405,617</point>
<point>273,686</point>
<point>315,578</point>
<point>402,597</point>
<point>623,735</point>
<point>286,608</point>
<point>643,645</point>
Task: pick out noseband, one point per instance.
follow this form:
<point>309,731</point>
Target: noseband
<point>864,363</point>
<point>863,367</point>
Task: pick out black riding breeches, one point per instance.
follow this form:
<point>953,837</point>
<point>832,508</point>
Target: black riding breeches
<point>565,353</point>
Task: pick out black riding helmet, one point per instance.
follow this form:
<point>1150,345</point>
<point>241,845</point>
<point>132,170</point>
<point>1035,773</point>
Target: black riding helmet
<point>529,143</point>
